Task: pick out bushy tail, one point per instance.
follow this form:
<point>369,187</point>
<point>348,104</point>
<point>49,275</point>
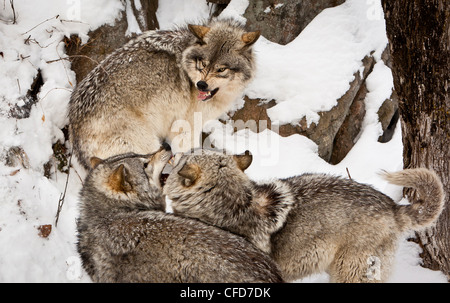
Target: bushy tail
<point>429,202</point>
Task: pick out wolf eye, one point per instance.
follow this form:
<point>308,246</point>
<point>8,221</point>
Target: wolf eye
<point>146,164</point>
<point>200,64</point>
<point>221,69</point>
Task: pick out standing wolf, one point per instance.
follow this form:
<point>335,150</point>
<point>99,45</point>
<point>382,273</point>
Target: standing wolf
<point>125,236</point>
<point>309,223</point>
<point>129,102</point>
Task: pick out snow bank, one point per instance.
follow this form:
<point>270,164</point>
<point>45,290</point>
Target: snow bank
<point>312,72</point>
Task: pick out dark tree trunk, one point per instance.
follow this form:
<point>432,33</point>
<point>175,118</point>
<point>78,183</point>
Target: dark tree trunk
<point>419,35</point>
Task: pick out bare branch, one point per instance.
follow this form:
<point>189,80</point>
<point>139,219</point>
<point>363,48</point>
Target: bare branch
<point>56,17</point>
<point>11,2</point>
<point>63,195</point>
<point>348,173</point>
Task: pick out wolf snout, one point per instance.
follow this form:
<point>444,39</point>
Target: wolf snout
<point>202,85</point>
<point>166,146</point>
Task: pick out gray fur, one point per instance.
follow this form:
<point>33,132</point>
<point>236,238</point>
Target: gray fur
<point>309,223</point>
<point>221,196</point>
<point>129,102</point>
<point>125,236</point>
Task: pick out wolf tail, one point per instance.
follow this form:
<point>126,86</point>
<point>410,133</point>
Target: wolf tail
<point>426,209</point>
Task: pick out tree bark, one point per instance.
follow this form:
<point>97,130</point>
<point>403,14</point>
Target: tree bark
<point>419,35</point>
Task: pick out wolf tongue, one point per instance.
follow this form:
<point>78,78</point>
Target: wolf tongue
<point>202,95</point>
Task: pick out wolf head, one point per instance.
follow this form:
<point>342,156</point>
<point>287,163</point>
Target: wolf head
<point>130,180</point>
<point>221,60</point>
<point>200,185</point>
<point>213,188</point>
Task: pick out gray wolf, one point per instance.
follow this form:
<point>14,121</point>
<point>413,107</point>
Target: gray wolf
<point>130,101</point>
<point>125,236</point>
<point>309,223</point>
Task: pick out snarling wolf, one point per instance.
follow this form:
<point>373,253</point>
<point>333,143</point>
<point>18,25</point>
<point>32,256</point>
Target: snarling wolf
<point>130,101</point>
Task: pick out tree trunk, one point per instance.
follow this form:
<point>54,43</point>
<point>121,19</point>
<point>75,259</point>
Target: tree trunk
<point>418,31</point>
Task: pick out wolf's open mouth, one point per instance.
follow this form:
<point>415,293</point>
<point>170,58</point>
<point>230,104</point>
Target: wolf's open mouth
<point>166,170</point>
<point>205,95</point>
<point>163,179</point>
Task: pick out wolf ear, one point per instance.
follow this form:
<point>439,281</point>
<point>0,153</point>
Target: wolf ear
<point>198,30</point>
<point>117,181</point>
<point>243,161</point>
<point>95,161</point>
<point>250,38</point>
<point>190,172</point>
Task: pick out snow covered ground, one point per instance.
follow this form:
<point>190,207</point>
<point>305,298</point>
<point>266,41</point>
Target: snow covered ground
<point>306,76</point>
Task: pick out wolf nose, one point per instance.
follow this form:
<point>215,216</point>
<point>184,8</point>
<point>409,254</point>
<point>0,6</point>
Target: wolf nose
<point>166,146</point>
<point>202,85</point>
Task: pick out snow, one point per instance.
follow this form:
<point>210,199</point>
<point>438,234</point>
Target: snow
<point>133,26</point>
<point>304,77</point>
<point>235,10</point>
<point>332,47</point>
<point>173,13</point>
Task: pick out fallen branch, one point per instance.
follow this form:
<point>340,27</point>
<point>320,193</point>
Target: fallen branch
<point>348,173</point>
<point>72,56</point>
<point>56,17</point>
<point>78,56</point>
<point>63,195</point>
<point>11,2</point>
